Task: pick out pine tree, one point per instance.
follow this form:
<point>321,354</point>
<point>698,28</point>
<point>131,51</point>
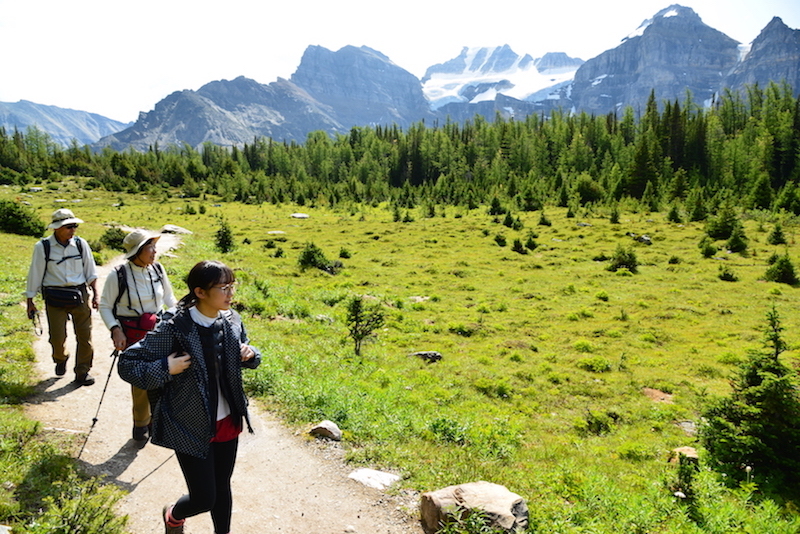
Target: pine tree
<point>776,237</point>
<point>362,321</point>
<point>758,425</point>
<point>737,242</point>
<point>223,238</point>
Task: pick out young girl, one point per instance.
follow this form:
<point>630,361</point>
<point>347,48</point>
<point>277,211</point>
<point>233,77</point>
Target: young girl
<point>192,362</point>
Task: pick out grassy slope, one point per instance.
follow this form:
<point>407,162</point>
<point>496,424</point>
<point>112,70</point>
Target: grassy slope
<point>522,338</point>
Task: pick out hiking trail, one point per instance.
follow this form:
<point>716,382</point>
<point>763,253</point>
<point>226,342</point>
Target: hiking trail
<point>284,482</point>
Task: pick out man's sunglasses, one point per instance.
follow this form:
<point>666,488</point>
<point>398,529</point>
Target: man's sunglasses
<point>71,226</point>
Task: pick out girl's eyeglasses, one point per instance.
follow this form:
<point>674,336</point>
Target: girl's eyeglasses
<point>227,288</point>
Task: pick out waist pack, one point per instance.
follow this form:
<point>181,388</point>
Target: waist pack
<point>63,297</point>
<point>135,328</point>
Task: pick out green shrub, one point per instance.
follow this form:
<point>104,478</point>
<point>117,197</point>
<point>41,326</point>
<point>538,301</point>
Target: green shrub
<point>707,247</point>
<point>543,220</point>
<point>737,242</point>
<point>493,388</point>
<point>82,506</point>
<point>624,258</point>
<point>596,423</point>
<point>469,522</point>
<point>635,452</point>
<point>674,215</point>
<point>782,271</point>
<point>518,247</point>
<point>776,237</point>
<point>462,329</point>
<point>112,238</point>
<point>312,257</point>
<point>584,346</point>
<point>726,274</point>
<point>594,364</point>
<point>723,225</point>
<point>16,218</point>
<point>447,430</point>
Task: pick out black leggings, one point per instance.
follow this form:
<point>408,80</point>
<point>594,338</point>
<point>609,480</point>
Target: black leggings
<point>209,483</point>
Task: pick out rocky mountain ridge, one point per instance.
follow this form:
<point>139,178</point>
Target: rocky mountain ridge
<point>672,53</point>
<point>62,125</point>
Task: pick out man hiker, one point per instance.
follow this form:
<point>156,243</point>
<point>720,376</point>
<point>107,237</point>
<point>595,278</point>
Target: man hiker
<point>61,268</point>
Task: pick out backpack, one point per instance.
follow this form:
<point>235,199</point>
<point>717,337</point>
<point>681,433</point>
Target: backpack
<point>122,281</point>
<point>46,246</point>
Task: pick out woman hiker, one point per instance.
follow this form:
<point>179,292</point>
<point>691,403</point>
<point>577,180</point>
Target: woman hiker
<point>134,296</point>
<point>193,361</point>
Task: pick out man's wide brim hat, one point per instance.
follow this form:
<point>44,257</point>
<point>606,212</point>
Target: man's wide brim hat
<point>135,240</point>
<point>62,217</point>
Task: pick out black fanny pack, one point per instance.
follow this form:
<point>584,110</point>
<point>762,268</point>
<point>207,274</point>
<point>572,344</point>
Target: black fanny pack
<point>63,297</point>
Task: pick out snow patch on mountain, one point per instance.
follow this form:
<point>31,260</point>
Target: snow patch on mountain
<point>480,74</point>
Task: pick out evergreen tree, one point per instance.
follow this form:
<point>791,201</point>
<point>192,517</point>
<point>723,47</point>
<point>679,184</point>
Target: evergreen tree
<point>782,271</point>
<point>760,196</point>
<point>223,238</point>
<point>496,207</point>
<point>363,320</point>
<point>758,425</point>
<point>737,242</point>
<point>724,223</point>
<point>776,237</point>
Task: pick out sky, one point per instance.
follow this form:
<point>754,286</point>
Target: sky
<point>117,59</point>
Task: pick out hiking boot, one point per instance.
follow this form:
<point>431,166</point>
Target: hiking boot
<point>61,368</point>
<point>84,380</point>
<point>141,433</point>
<point>175,527</point>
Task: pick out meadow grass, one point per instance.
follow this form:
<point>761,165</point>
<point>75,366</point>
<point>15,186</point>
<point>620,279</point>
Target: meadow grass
<point>545,354</point>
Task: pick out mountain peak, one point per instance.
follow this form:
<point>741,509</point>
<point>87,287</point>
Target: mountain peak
<point>481,74</point>
<point>776,24</point>
<point>483,60</point>
<point>684,14</point>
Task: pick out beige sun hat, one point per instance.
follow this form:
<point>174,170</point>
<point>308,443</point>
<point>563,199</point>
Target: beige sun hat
<point>62,217</point>
<point>135,240</point>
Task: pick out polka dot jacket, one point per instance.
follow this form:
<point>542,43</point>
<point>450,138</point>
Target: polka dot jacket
<point>183,418</point>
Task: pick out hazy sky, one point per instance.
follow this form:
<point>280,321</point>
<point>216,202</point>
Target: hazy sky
<point>120,58</point>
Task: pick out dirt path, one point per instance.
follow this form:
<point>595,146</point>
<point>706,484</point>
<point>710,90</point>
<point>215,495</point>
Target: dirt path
<point>283,482</point>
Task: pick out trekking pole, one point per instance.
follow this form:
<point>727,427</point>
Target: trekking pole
<point>102,395</point>
<point>37,322</point>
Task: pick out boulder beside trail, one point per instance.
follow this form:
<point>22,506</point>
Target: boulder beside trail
<point>174,229</point>
<point>689,452</point>
<point>327,429</point>
<point>380,480</point>
<point>503,508</point>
